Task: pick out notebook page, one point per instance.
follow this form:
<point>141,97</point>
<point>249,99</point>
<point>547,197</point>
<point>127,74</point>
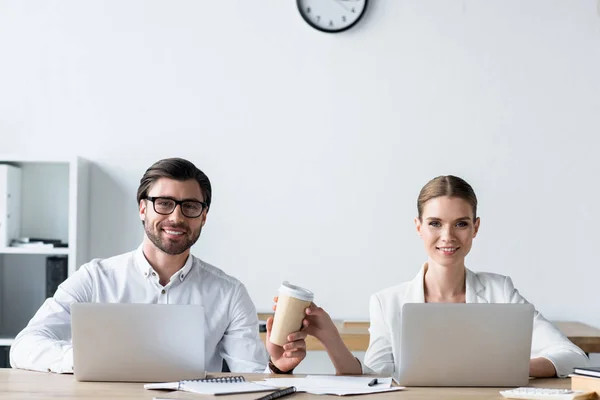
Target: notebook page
<point>162,385</point>
<point>223,388</point>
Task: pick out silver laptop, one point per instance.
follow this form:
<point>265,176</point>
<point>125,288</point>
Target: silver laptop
<point>451,344</point>
<point>137,342</point>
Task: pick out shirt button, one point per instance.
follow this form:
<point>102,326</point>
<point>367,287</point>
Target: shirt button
<point>163,291</point>
<point>154,274</point>
<point>182,276</point>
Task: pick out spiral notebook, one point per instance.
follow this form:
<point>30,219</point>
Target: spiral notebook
<point>217,386</point>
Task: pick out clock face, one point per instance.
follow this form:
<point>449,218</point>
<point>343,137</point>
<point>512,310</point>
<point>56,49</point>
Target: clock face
<point>332,15</point>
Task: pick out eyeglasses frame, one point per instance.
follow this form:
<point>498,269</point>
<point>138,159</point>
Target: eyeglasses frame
<point>177,203</point>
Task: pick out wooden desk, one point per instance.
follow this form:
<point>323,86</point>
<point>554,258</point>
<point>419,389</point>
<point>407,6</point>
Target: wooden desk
<point>17,385</point>
<point>586,337</point>
<point>356,336</point>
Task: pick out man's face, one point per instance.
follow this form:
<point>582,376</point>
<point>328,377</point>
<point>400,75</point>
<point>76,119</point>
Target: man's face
<point>174,233</point>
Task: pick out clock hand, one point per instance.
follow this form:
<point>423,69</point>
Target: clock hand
<point>342,4</point>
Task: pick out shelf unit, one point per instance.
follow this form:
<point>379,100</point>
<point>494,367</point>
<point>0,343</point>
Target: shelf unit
<point>32,250</point>
<point>54,203</point>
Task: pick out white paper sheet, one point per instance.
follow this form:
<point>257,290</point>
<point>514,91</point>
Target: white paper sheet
<point>337,385</point>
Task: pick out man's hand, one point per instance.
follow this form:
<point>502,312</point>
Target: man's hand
<point>291,354</point>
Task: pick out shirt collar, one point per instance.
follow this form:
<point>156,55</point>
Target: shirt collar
<point>146,269</point>
<point>185,270</point>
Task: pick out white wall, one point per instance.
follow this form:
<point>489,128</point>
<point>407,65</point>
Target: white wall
<point>317,145</point>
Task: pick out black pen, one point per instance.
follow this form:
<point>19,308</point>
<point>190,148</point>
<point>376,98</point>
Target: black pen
<point>280,393</point>
<point>373,382</point>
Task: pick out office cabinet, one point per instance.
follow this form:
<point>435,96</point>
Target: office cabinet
<point>53,204</point>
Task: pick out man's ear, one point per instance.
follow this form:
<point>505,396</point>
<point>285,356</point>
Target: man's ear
<point>143,207</point>
<point>418,226</point>
<point>204,215</point>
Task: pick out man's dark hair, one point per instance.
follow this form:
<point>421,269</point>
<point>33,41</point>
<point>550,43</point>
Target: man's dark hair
<point>178,169</point>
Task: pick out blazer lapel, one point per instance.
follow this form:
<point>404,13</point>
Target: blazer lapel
<point>474,288</point>
<point>416,291</point>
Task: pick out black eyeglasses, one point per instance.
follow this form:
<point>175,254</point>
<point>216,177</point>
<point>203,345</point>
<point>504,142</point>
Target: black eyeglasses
<point>166,205</point>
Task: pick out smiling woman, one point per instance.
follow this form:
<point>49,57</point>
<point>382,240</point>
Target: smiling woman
<point>447,222</point>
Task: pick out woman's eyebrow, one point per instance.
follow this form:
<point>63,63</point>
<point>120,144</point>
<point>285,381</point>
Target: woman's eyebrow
<point>439,219</point>
<point>464,218</point>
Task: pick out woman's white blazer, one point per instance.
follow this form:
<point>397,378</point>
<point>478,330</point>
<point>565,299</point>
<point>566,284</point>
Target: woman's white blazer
<point>481,287</point>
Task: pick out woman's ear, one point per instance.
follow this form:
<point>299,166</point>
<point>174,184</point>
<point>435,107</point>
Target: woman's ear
<point>476,226</point>
<point>418,226</point>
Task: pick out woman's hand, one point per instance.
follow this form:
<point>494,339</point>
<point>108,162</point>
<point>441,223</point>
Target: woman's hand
<point>319,324</point>
<point>541,367</point>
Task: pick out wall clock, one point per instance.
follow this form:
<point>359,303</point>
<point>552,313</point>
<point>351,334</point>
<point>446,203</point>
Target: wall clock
<point>332,15</point>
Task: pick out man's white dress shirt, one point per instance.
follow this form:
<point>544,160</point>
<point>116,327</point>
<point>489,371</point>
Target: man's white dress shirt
<point>383,354</point>
<point>231,322</point>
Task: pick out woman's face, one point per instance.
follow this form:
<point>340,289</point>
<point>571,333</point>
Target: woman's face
<point>447,229</point>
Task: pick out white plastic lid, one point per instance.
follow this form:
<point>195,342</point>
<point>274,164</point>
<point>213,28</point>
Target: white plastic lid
<point>296,291</point>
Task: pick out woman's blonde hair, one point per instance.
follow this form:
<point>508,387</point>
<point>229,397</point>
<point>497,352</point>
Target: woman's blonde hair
<point>447,185</point>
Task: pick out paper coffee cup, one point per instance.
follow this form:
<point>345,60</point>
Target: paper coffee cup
<point>292,302</point>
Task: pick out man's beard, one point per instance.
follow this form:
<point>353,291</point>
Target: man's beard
<point>166,245</point>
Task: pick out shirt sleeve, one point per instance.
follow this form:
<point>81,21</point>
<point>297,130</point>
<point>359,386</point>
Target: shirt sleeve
<point>45,343</point>
<point>548,341</point>
<point>379,358</point>
<point>241,346</point>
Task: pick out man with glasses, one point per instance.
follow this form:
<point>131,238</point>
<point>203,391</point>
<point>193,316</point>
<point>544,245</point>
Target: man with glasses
<point>174,198</point>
